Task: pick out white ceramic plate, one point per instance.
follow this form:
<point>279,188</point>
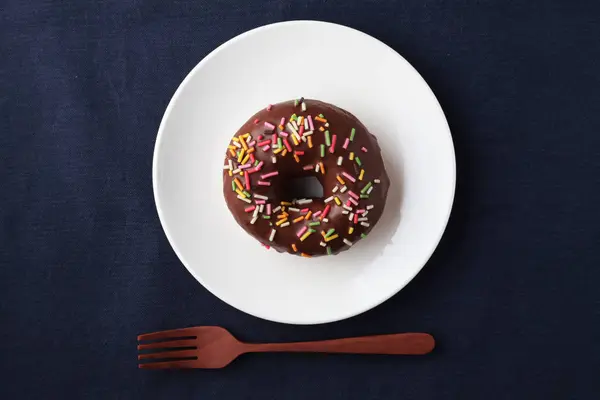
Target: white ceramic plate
<point>335,64</point>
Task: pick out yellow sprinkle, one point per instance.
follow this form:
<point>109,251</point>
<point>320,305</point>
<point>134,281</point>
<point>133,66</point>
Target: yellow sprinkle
<point>279,150</point>
<point>241,156</point>
<point>284,153</point>
<point>350,230</point>
<point>232,152</point>
<point>232,147</point>
<point>362,174</point>
<point>296,158</point>
<point>245,135</point>
<point>303,237</point>
<point>242,173</point>
<point>322,167</point>
<point>281,221</point>
<point>298,219</point>
<point>340,180</point>
<point>230,173</point>
<point>238,183</point>
<point>285,203</point>
<point>294,247</point>
<point>351,156</point>
<point>295,140</point>
<point>305,255</point>
<point>323,234</point>
<point>330,238</point>
<point>245,160</point>
<point>238,191</point>
<point>235,139</point>
<point>243,142</point>
<point>309,142</point>
<point>308,215</point>
<point>337,201</point>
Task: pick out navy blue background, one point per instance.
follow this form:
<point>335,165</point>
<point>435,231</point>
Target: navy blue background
<point>511,294</point>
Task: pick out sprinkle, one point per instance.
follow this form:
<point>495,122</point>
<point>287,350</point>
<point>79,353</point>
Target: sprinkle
<point>364,196</point>
<point>367,186</point>
<point>295,102</point>
<point>269,107</point>
<point>305,255</point>
<point>260,196</point>
<point>363,235</point>
<point>339,160</point>
<point>308,167</point>
<point>307,133</point>
<point>340,180</point>
<point>351,156</point>
<point>365,224</point>
<point>310,123</point>
<point>287,223</point>
<point>320,118</point>
<point>352,133</point>
<point>358,161</point>
<point>310,144</point>
<point>274,159</point>
<point>364,149</point>
<point>264,142</point>
<point>272,236</point>
<point>247,178</point>
<point>316,223</point>
<point>370,190</point>
<point>259,201</point>
<point>361,175</point>
<point>315,215</point>
<point>294,247</point>
<point>351,200</point>
<point>323,244</point>
<point>330,198</point>
<point>276,209</point>
<point>325,219</point>
<point>327,208</point>
<point>249,209</point>
<point>347,207</point>
<point>253,220</point>
<point>300,218</point>
<point>318,168</point>
<point>282,121</point>
<point>256,121</point>
<point>350,177</point>
<point>270,174</point>
<point>370,207</point>
<point>351,193</point>
<point>266,148</point>
<point>287,145</point>
<point>296,158</point>
<point>291,208</point>
<point>280,143</point>
<point>281,221</point>
<point>350,216</point>
<point>291,127</point>
<point>243,142</point>
<point>337,201</point>
<point>333,141</point>
<point>308,215</point>
<point>345,212</point>
<point>335,189</point>
<point>303,106</point>
<point>322,150</point>
<point>232,186</point>
<point>327,138</point>
<point>322,167</point>
<point>238,183</point>
<point>329,232</point>
<point>328,250</point>
<point>301,231</point>
<point>263,183</point>
<point>346,143</point>
<point>330,238</point>
<point>304,201</point>
<point>376,180</point>
<point>261,207</point>
<point>243,198</point>
<point>226,167</point>
<point>356,218</point>
<point>349,243</point>
<point>265,246</point>
<point>269,209</point>
<point>235,171</point>
<point>344,188</point>
<point>322,129</point>
<point>259,166</point>
<point>274,140</point>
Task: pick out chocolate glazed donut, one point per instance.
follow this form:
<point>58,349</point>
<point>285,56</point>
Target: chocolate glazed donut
<point>303,138</point>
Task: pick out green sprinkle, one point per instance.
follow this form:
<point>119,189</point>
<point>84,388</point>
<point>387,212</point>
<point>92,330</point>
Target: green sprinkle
<point>314,223</point>
<point>367,186</point>
<point>238,153</point>
<point>293,117</point>
<point>352,133</point>
<point>322,150</point>
<point>358,161</point>
<point>233,186</point>
<point>255,163</point>
<point>329,232</point>
<point>246,193</point>
<point>363,235</point>
<point>328,250</point>
<point>327,138</point>
<point>266,216</point>
<point>321,115</point>
<point>311,230</point>
<point>279,143</point>
<point>364,196</point>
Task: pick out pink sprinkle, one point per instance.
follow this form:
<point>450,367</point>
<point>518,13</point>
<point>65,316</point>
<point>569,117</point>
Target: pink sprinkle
<point>269,107</point>
<point>361,211</point>
<point>252,143</point>
<point>249,209</point>
<point>353,201</point>
<point>301,130</point>
<point>270,174</point>
<point>256,121</point>
<point>266,148</point>
<point>269,125</point>
<point>247,178</point>
<point>263,183</point>
<point>282,122</point>
<point>301,231</point>
<point>284,134</point>
<point>264,142</point>
<point>245,166</point>
<point>349,177</point>
<point>310,123</point>
<point>287,145</point>
<point>351,193</point>
<point>304,210</point>
<point>265,246</point>
<point>300,153</point>
<point>364,149</point>
<point>333,140</point>
<point>259,137</point>
<point>274,139</point>
<point>269,209</point>
<point>317,214</point>
<point>346,143</point>
<point>325,211</point>
<point>348,202</point>
<point>308,167</point>
<point>356,218</point>
<point>260,201</point>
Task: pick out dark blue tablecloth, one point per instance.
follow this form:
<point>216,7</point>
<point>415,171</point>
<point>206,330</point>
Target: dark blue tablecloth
<point>511,294</point>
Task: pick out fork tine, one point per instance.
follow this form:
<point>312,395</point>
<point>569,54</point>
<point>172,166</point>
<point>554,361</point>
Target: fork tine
<point>172,333</point>
<point>168,344</point>
<point>169,364</point>
<point>169,354</point>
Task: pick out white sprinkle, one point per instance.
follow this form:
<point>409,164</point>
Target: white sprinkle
<point>376,180</point>
<point>236,171</point>
<point>230,164</point>
<point>347,207</point>
<point>284,224</point>
<point>325,219</point>
<point>349,243</point>
<point>273,159</point>
<point>276,209</point>
<point>335,189</point>
<point>306,124</point>
<point>323,244</point>
<point>226,166</point>
<point>369,207</point>
<point>345,212</point>
<point>350,216</point>
<point>363,219</point>
<point>365,213</point>
<point>261,208</point>
<point>253,220</point>
<point>272,235</point>
<point>364,224</point>
<point>255,213</point>
<point>304,139</point>
<point>260,196</point>
<point>344,188</point>
<point>340,159</point>
<point>307,133</point>
<point>291,128</point>
<point>370,190</point>
<point>327,200</point>
<point>295,125</point>
<point>244,199</point>
<point>318,167</point>
<point>297,136</point>
<point>304,201</point>
<point>237,144</point>
<point>303,106</point>
<point>327,125</point>
<point>294,209</point>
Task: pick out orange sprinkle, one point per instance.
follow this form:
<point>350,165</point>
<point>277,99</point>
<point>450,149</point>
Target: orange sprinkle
<point>232,152</point>
<point>308,215</point>
<point>322,129</point>
<point>340,180</point>
<point>285,203</point>
<point>280,127</point>
<point>294,247</point>
<point>323,120</point>
<point>284,152</point>
<point>238,183</point>
<point>251,150</point>
<point>309,143</point>
<point>301,120</point>
<point>299,219</point>
<point>296,158</point>
<point>281,216</point>
<point>305,255</point>
<point>322,167</point>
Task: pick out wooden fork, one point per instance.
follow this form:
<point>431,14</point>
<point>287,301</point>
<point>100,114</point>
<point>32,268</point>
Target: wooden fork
<point>215,347</point>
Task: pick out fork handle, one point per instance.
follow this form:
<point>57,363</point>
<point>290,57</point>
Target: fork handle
<point>401,343</point>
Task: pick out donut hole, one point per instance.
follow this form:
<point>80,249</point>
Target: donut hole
<point>306,187</point>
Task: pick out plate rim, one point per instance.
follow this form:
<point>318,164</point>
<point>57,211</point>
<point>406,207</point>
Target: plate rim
<point>160,212</point>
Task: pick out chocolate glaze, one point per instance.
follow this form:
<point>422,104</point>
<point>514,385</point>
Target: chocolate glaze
<point>340,123</point>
